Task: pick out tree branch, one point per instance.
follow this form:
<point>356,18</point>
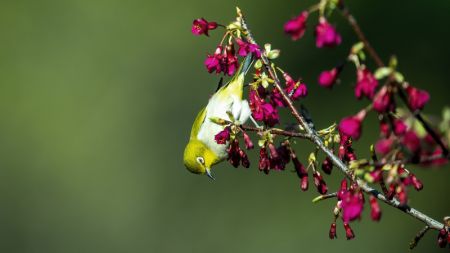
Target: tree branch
<point>314,137</point>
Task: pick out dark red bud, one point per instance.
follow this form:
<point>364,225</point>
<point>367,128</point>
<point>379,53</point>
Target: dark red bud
<point>333,230</point>
<point>416,182</point>
<point>375,211</point>
<point>348,231</point>
<point>327,166</point>
<point>244,159</point>
<point>320,183</point>
<point>248,141</point>
<point>442,238</point>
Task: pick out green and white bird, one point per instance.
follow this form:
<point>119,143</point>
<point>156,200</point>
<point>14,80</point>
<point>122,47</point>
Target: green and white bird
<point>202,152</point>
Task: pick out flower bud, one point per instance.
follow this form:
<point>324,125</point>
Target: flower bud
<point>247,140</point>
<point>333,231</point>
<point>375,211</point>
<point>320,183</point>
<point>442,238</point>
<point>327,165</point>
<point>348,231</point>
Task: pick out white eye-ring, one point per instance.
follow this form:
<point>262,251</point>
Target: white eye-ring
<point>200,160</point>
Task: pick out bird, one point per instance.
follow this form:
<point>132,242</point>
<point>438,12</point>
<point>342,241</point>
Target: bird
<point>202,152</point>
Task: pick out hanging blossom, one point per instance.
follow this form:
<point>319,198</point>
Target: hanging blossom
<point>296,27</point>
<point>201,26</point>
<point>417,98</point>
<point>263,111</point>
<point>366,83</point>
<point>245,48</point>
<point>328,78</point>
<point>351,126</point>
<point>326,34</point>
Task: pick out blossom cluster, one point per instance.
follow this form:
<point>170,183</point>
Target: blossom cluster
<point>402,141</point>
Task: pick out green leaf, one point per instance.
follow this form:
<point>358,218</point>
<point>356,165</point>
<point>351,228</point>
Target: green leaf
<point>356,48</point>
<point>382,72</point>
<point>393,62</point>
<point>399,77</point>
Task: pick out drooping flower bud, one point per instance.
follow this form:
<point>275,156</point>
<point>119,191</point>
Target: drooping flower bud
<point>411,141</point>
<point>247,140</point>
<point>214,62</point>
<point>301,172</point>
<point>416,182</point>
<point>326,34</point>
<point>245,162</point>
<point>234,156</point>
<point>417,98</point>
<point>375,211</point>
<point>366,83</point>
<point>442,238</point>
<point>327,78</point>
<point>320,183</point>
<point>399,127</point>
<point>384,146</point>
<point>351,126</point>
<point>348,231</point>
<point>332,233</point>
<point>327,165</point>
<point>263,160</point>
<point>382,101</point>
<point>296,26</point>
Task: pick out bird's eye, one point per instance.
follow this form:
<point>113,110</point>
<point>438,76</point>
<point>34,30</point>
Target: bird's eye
<point>200,160</point>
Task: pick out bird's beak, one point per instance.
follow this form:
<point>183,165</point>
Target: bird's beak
<point>208,173</point>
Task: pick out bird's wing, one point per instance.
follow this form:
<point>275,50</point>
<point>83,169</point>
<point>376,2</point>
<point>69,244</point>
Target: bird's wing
<point>198,123</point>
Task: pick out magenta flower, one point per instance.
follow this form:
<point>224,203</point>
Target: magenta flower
<point>201,26</point>
<point>348,231</point>
<point>302,173</point>
<point>230,62</point>
<point>411,141</point>
<point>443,238</point>
<point>294,89</point>
<point>214,62</point>
<point>418,185</point>
<point>417,98</point>
<point>327,165</point>
<point>234,155</point>
<point>375,210</point>
<point>383,146</point>
<point>264,163</point>
<point>245,48</point>
<point>382,101</point>
<point>247,140</point>
<point>326,34</point>
<point>366,83</point>
<point>328,77</point>
<point>271,117</point>
<point>223,136</point>
<point>255,103</point>
<point>319,183</point>
<point>276,99</point>
<point>352,205</point>
<point>399,127</point>
<point>296,26</point>
<point>332,232</point>
<point>351,126</point>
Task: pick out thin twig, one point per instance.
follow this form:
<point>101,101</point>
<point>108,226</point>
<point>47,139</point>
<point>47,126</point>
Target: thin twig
<point>319,143</point>
<point>277,131</point>
<point>419,236</point>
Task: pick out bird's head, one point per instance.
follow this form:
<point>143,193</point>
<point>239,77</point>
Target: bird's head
<point>198,158</point>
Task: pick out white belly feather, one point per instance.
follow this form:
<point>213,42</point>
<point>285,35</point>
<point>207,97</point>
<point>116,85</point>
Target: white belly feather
<point>218,107</point>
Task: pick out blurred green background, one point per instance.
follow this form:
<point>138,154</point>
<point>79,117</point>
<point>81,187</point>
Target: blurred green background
<point>97,100</point>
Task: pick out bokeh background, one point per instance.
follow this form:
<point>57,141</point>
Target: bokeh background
<point>96,103</point>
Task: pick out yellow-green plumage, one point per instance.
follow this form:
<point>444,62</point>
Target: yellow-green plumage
<point>202,151</point>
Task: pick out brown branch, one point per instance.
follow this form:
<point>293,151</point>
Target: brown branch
<point>361,36</point>
<point>277,132</point>
<point>315,138</point>
<point>418,237</point>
